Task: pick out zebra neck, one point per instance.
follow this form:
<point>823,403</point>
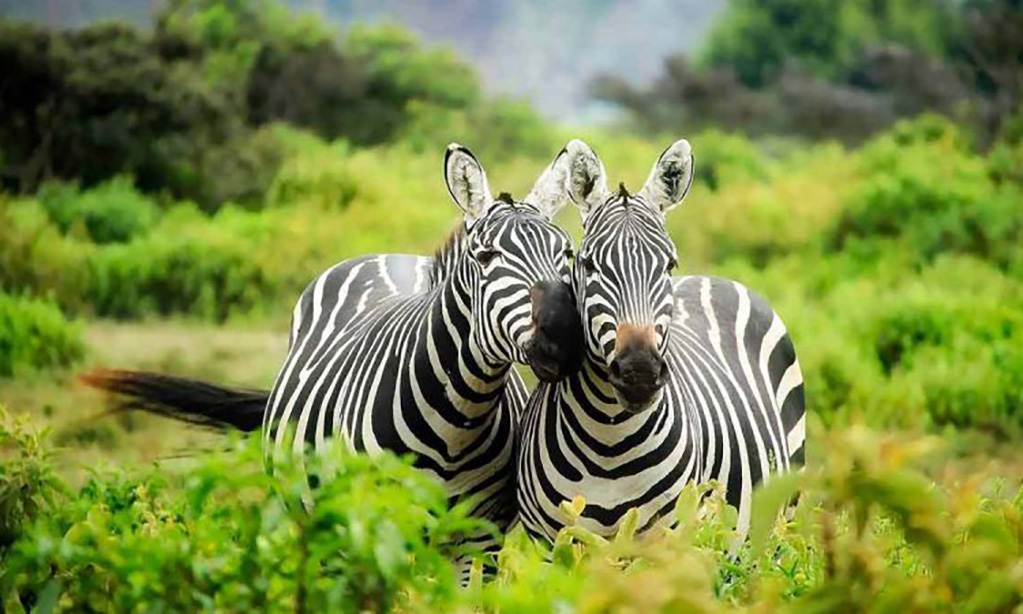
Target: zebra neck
<point>472,385</point>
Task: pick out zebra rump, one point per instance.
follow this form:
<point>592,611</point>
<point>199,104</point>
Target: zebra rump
<point>184,399</point>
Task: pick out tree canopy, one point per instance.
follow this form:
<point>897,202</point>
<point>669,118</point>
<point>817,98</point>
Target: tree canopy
<point>176,105</point>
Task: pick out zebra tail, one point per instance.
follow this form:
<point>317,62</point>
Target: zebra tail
<point>187,400</point>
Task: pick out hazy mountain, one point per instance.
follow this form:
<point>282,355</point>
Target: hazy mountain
<point>543,50</point>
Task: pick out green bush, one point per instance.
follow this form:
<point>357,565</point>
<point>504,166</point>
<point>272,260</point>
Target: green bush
<point>319,175</point>
<point>29,486</point>
<point>36,259</point>
<point>207,276</point>
<point>727,158</point>
<point>923,188</point>
<point>35,335</point>
<point>1006,155</point>
<point>873,532</point>
<point>240,171</point>
<point>375,535</point>
<point>757,207</point>
<point>496,130</point>
<point>895,345</point>
<point>111,212</point>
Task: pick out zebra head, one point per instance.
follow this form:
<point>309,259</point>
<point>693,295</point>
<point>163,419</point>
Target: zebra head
<point>623,274</point>
<point>516,263</point>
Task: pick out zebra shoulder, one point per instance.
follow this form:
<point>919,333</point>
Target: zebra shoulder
<point>701,299</point>
<point>724,297</point>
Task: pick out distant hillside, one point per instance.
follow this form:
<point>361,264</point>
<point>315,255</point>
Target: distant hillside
<point>543,50</point>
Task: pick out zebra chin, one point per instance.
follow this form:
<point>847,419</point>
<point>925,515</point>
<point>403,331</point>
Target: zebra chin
<point>551,360</point>
<point>633,405</point>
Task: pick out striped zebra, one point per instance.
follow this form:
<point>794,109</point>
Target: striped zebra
<point>414,354</point>
<point>684,378</point>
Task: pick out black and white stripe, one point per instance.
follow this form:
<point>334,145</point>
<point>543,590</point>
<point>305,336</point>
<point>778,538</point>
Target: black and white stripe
<point>413,354</point>
<point>712,388</point>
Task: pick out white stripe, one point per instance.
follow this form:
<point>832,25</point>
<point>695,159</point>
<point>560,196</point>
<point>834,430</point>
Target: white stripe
<point>798,434</point>
<point>792,378</point>
<point>771,339</point>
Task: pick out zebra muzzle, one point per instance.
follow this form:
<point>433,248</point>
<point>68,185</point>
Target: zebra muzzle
<point>638,371</point>
<point>555,349</point>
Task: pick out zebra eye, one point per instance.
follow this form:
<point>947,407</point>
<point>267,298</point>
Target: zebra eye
<point>587,263</point>
<point>486,256</point>
<point>569,254</point>
<point>671,265</point>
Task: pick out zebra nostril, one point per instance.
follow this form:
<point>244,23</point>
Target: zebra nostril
<point>616,369</point>
<point>663,375</point>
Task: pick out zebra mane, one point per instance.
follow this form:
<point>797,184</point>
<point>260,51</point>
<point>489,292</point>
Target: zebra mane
<point>445,259</point>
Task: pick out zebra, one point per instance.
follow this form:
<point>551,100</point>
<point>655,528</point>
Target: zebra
<point>413,354</point>
<point>684,379</point>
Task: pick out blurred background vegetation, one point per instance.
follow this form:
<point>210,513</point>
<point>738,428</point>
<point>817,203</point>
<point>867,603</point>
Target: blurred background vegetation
<point>171,181</point>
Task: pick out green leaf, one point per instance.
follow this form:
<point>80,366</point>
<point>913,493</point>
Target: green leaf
<point>563,553</point>
<point>628,525</point>
<point>48,597</point>
<point>766,503</point>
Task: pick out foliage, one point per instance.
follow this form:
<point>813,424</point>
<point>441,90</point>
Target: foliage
<point>318,174</point>
<point>166,275</point>
<point>756,38</point>
<point>399,74</point>
<point>498,129</point>
<point>35,335</point>
<point>180,108</point>
<point>88,104</point>
<point>825,69</point>
<point>991,50</point>
<point>29,486</point>
<point>228,537</point>
<point>934,195</point>
<point>872,532</point>
<point>111,212</point>
<point>36,258</point>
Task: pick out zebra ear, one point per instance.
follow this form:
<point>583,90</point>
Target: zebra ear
<point>549,193</point>
<point>585,179</point>
<point>572,175</point>
<point>671,177</point>
<point>467,183</point>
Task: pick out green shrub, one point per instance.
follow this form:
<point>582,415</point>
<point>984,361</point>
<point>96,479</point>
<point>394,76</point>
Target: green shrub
<point>1006,156</point>
<point>207,276</point>
<point>111,212</point>
<point>960,359</point>
<point>29,487</point>
<point>375,535</point>
<point>35,335</point>
<point>318,175</point>
<point>36,259</point>
<point>874,530</point>
<point>725,159</point>
<point>758,209</point>
<point>241,170</point>
<point>923,188</point>
<point>496,130</point>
